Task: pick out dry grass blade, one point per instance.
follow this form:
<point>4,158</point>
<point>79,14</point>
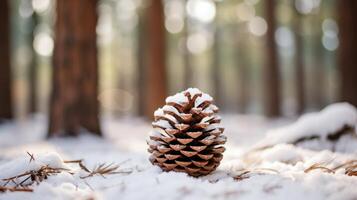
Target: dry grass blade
<point>32,158</point>
<point>80,163</point>
<point>259,171</point>
<point>103,169</point>
<point>318,166</point>
<point>15,189</point>
<point>267,169</point>
<point>346,164</point>
<point>351,170</point>
<point>242,176</point>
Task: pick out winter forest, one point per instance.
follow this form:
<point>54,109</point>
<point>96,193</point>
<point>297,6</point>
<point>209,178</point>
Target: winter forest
<point>178,99</point>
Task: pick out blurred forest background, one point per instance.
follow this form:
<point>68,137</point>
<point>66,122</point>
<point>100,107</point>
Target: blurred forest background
<point>277,58</point>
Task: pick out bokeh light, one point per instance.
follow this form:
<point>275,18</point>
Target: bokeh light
<point>284,37</point>
<point>201,10</point>
<point>174,16</point>
<point>25,9</point>
<point>198,42</point>
<point>330,42</point>
<point>174,24</point>
<point>43,44</point>
<point>330,34</point>
<point>329,27</point>
<point>40,5</point>
<point>245,12</point>
<point>258,26</point>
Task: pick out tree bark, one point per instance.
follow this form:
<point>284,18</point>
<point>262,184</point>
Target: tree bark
<point>318,71</point>
<point>216,66</point>
<point>188,70</point>
<point>299,64</point>
<point>33,69</point>
<point>155,51</point>
<point>141,65</point>
<point>243,73</point>
<point>74,104</point>
<point>271,71</point>
<point>347,17</point>
<point>5,65</point>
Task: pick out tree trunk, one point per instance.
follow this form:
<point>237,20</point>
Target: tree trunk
<point>271,71</point>
<point>188,70</point>
<point>155,51</point>
<point>141,65</point>
<point>347,51</point>
<point>216,66</point>
<point>299,64</point>
<point>318,71</point>
<point>74,103</point>
<point>33,69</point>
<point>241,61</point>
<point>5,65</point>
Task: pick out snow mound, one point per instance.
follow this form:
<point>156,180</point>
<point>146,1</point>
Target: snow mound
<point>25,163</point>
<point>321,125</point>
<point>61,185</point>
<point>181,98</point>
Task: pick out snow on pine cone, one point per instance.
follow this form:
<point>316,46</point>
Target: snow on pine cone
<point>186,135</point>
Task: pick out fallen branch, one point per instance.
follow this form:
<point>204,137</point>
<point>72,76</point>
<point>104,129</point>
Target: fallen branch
<point>21,182</point>
<point>15,189</point>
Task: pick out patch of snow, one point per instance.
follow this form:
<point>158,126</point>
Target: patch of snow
<point>180,97</point>
<point>170,109</point>
<point>177,98</point>
<point>162,123</point>
<point>203,98</point>
<point>330,120</point>
<point>193,91</point>
<point>125,144</point>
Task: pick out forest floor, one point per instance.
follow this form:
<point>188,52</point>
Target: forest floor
<point>279,172</point>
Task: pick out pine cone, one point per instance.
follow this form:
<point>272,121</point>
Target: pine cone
<point>187,136</point>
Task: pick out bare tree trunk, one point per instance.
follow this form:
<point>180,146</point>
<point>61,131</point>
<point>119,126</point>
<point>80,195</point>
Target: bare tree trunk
<point>188,70</point>
<point>299,65</point>
<point>318,71</point>
<point>243,74</point>
<point>141,65</point>
<point>74,103</point>
<point>216,66</point>
<point>5,65</point>
<point>33,69</point>
<point>156,70</point>
<point>271,73</point>
<point>347,52</point>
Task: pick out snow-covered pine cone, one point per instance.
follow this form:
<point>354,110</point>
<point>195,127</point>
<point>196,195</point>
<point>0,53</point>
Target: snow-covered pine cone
<point>186,135</point>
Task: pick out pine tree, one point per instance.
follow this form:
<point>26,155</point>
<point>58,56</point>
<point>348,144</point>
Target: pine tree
<point>74,103</point>
<point>271,79</point>
<point>155,79</point>
<point>299,63</point>
<point>347,62</point>
<point>33,68</point>
<point>5,66</point>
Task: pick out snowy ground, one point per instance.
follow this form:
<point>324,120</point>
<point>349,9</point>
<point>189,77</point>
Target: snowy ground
<point>276,173</point>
